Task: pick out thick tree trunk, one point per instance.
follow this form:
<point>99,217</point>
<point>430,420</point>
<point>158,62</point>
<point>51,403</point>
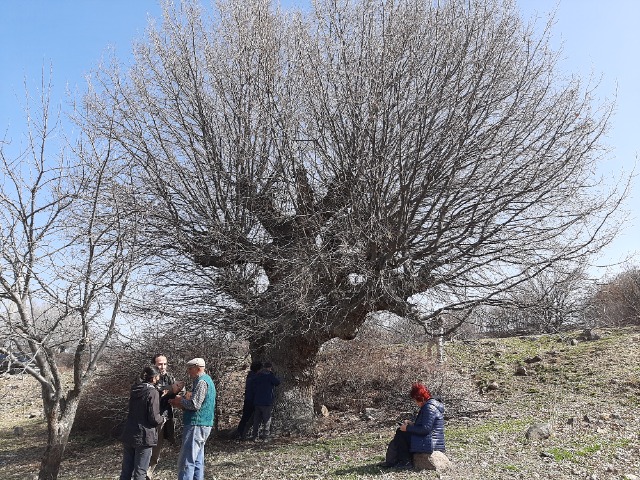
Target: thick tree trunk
<point>60,417</point>
<point>294,361</point>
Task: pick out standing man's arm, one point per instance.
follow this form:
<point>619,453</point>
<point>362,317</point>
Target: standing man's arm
<point>197,397</point>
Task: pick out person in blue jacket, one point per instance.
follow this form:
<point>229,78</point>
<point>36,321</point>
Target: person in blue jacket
<point>247,407</point>
<point>261,393</point>
<point>424,435</point>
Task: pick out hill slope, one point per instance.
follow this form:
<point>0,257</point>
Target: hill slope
<point>589,393</point>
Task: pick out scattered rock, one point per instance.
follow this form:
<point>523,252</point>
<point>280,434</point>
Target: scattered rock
<point>540,431</point>
<point>630,476</point>
<point>18,431</point>
<point>574,342</point>
<point>531,360</point>
<point>324,411</point>
<point>436,461</point>
<point>371,413</point>
<point>619,424</point>
<point>589,335</point>
<point>492,386</point>
<point>521,371</point>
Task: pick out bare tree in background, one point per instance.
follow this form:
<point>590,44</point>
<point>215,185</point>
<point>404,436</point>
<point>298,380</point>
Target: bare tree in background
<point>306,170</point>
<point>617,301</point>
<point>553,301</point>
<point>67,253</point>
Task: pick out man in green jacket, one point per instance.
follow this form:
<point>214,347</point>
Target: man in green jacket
<point>198,406</point>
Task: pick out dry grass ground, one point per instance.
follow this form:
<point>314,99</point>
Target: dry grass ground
<point>589,392</point>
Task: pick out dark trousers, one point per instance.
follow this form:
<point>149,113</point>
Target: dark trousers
<point>135,461</point>
<point>403,443</point>
<point>262,416</point>
<point>247,413</point>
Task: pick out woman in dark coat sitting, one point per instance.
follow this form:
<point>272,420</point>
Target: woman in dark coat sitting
<point>140,434</point>
<point>424,435</point>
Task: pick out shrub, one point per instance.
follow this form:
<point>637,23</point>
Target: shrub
<point>367,372</point>
<point>103,408</point>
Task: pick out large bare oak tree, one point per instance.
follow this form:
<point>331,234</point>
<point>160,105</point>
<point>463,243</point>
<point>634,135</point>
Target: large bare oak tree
<point>305,170</point>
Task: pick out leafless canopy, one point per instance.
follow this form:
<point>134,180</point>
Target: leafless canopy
<point>305,170</point>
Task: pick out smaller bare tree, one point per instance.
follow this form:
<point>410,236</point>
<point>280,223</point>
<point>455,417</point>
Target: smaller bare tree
<point>67,255</point>
<point>617,301</point>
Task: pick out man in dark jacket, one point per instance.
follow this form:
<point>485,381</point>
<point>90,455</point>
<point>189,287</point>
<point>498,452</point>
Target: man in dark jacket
<point>168,389</point>
<point>247,406</point>
<point>140,433</point>
<point>261,392</point>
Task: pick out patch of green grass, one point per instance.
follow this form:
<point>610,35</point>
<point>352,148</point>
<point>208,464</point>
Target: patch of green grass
<point>510,468</point>
<point>559,454</point>
<point>463,433</point>
<point>357,471</point>
<point>331,446</point>
<point>573,455</point>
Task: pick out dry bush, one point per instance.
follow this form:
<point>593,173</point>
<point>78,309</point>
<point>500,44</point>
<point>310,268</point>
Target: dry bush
<point>64,361</point>
<point>616,303</point>
<point>103,408</point>
<point>368,372</point>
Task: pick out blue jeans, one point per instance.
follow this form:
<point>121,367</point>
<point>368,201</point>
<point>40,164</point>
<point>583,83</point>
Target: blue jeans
<point>135,461</point>
<point>191,460</point>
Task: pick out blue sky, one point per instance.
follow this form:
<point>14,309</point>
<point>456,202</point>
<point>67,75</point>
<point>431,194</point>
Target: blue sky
<point>72,36</point>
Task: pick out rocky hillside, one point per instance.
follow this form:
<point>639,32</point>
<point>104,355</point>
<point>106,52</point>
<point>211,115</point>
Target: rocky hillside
<point>582,392</point>
<point>584,389</point>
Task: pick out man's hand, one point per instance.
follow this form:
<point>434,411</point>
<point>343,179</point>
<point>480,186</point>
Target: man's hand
<point>176,401</point>
<point>176,387</point>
